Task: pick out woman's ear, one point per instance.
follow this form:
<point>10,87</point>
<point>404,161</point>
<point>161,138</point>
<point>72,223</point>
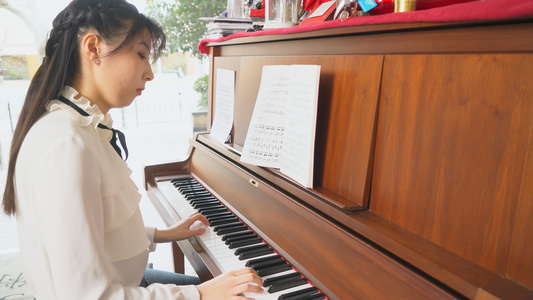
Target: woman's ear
<point>90,45</point>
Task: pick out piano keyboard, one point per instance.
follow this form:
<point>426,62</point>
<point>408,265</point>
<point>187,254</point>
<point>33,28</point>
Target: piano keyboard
<point>233,245</point>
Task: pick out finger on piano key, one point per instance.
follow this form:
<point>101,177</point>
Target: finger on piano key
<point>198,224</point>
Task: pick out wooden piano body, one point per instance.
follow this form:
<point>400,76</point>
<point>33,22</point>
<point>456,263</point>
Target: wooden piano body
<point>423,164</point>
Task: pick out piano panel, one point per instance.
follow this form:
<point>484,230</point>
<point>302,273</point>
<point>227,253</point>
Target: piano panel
<point>520,258</point>
<point>349,88</point>
<point>450,153</point>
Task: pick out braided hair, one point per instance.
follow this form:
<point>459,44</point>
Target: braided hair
<point>109,19</point>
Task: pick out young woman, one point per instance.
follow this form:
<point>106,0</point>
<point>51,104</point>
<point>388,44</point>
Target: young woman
<point>80,228</point>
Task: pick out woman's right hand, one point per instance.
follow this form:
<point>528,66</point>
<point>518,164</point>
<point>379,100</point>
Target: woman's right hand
<point>229,285</point>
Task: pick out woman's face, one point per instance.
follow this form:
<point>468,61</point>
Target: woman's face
<point>121,77</point>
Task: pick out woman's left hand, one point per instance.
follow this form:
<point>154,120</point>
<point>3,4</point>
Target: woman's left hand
<point>183,229</point>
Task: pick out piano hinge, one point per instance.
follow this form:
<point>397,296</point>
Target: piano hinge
<point>253,182</point>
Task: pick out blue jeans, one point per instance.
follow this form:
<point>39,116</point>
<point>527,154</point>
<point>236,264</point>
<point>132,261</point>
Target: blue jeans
<point>164,277</point>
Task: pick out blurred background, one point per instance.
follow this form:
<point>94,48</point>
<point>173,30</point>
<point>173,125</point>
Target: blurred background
<point>157,125</point>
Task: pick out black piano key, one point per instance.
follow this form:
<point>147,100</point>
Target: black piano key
<point>211,211</point>
<point>237,234</point>
<point>251,248</point>
<point>286,285</point>
<point>224,218</point>
<point>297,295</point>
<point>207,198</point>
<point>317,296</point>
<point>190,196</point>
<point>262,259</point>
<point>267,263</point>
<point>198,195</point>
<point>184,184</point>
<point>202,199</point>
<point>231,230</point>
<point>183,181</point>
<point>273,280</point>
<point>191,188</point>
<point>187,183</point>
<point>242,243</point>
<point>236,227</point>
<point>245,236</point>
<point>216,208</point>
<point>224,221</point>
<point>314,296</point>
<point>273,270</point>
<point>255,253</point>
<point>205,204</point>
<point>222,227</point>
<point>220,216</point>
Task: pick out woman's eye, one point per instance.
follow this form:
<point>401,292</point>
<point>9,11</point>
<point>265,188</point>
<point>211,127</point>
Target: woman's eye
<point>142,56</point>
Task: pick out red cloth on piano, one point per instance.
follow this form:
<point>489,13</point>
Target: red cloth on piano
<point>477,10</point>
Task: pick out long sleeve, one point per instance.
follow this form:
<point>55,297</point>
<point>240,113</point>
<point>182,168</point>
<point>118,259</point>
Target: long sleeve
<point>150,233</point>
<point>65,222</point>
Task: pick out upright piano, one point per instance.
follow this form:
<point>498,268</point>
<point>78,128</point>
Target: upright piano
<point>423,185</point>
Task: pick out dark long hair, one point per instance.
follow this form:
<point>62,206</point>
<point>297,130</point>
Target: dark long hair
<point>110,19</point>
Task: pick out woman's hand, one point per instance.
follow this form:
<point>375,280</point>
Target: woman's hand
<point>182,230</point>
<point>229,285</point>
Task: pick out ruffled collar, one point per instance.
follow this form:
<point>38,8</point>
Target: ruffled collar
<point>95,115</point>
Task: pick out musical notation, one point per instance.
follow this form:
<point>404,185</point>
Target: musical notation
<point>225,102</point>
<point>282,129</point>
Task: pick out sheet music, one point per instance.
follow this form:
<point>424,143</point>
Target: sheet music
<point>263,142</point>
<point>298,149</point>
<point>282,128</point>
<point>322,9</point>
<point>224,105</point>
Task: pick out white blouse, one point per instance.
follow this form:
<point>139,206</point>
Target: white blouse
<point>81,233</point>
